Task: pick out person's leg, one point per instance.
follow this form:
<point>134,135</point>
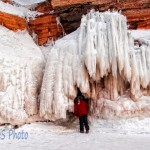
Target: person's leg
<point>81,124</point>
<point>85,120</point>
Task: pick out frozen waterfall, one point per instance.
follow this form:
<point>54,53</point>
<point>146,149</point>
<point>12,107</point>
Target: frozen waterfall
<point>99,58</point>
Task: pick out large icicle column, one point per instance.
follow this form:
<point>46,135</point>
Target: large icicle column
<point>99,58</point>
<point>21,72</point>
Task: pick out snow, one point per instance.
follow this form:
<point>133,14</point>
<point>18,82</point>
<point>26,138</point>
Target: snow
<point>18,10</point>
<point>18,44</point>
<point>99,58</point>
<point>104,135</point>
<point>141,34</point>
<point>124,108</point>
<point>47,48</point>
<point>28,2</point>
<point>21,72</point>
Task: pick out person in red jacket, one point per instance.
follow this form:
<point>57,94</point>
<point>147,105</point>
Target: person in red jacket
<point>81,111</point>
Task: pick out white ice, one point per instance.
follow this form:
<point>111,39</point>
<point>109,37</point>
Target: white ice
<point>21,72</point>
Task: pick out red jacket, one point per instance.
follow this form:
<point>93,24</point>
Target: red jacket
<point>80,108</point>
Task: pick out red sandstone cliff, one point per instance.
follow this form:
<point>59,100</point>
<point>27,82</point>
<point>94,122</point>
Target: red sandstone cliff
<point>136,11</point>
<point>70,13</point>
<point>12,22</point>
<point>45,26</point>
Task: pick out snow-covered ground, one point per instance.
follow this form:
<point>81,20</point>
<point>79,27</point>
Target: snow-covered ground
<point>131,134</point>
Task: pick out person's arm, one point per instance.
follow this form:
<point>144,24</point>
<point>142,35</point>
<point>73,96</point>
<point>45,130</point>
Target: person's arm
<point>75,110</point>
<point>87,102</point>
<point>87,105</point>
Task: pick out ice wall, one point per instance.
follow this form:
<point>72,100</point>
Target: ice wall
<point>99,58</point>
<point>21,72</point>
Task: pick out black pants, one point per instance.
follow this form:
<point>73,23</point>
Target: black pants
<point>83,122</point>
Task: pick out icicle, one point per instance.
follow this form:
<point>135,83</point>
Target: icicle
<point>90,51</point>
<point>59,102</point>
<point>144,81</point>
<point>83,80</point>
<point>101,48</point>
<point>46,98</point>
<point>82,34</point>
<point>127,67</point>
<point>135,84</point>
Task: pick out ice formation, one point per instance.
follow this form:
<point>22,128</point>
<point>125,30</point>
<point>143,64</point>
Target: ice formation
<point>99,58</point>
<point>21,72</point>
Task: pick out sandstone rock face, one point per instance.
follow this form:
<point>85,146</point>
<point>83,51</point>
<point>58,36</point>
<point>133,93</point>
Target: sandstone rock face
<point>136,11</point>
<point>12,22</point>
<point>70,12</point>
<point>8,1</point>
<point>59,3</point>
<point>45,26</point>
<point>144,25</point>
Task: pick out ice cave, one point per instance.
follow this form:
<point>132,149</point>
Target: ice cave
<point>101,58</point>
<point>103,61</point>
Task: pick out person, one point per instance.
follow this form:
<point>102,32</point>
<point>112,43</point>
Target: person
<point>81,111</point>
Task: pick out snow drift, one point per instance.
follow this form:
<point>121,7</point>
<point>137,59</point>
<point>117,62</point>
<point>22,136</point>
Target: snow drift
<point>99,58</point>
<point>21,72</point>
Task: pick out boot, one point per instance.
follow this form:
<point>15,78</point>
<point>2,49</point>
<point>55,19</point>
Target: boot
<point>87,131</point>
